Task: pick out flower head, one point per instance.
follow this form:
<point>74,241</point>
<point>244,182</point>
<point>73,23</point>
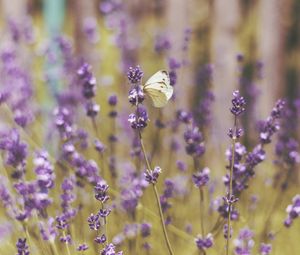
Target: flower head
<point>204,243</point>
<point>152,176</point>
<point>139,119</point>
<point>238,104</point>
<point>22,247</point>
<point>201,178</point>
<point>135,75</point>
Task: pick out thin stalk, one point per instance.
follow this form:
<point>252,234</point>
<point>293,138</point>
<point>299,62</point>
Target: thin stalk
<point>157,198</point>
<point>144,151</point>
<point>105,223</point>
<point>95,127</point>
<point>136,218</point>
<point>276,203</point>
<point>202,216</point>
<point>201,195</point>
<point>52,244</point>
<point>68,250</point>
<point>202,211</point>
<point>162,220</point>
<point>230,192</point>
<point>28,236</point>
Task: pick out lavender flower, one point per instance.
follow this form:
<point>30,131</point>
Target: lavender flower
<point>162,44</point>
<point>136,95</point>
<point>47,230</point>
<point>244,243</point>
<point>293,211</point>
<point>270,126</point>
<point>94,221</point>
<point>110,250</point>
<point>90,29</point>
<point>152,176</point>
<point>195,144</point>
<point>92,109</point>
<point>135,75</point>
<point>66,239</point>
<point>100,239</point>
<point>22,247</point>
<point>204,243</point>
<point>139,119</point>
<point>145,229</point>
<point>61,222</point>
<point>265,249</point>
<point>82,247</point>
<point>201,178</point>
<point>99,146</point>
<point>113,100</point>
<point>44,171</point>
<point>101,189</point>
<point>16,150</point>
<point>238,104</point>
<point>88,81</point>
<point>225,231</point>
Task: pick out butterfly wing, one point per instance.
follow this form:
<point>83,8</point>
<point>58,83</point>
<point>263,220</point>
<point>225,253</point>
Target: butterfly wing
<point>158,88</point>
<point>158,98</point>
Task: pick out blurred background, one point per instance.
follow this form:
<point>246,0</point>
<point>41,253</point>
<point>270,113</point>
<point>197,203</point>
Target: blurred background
<point>212,47</point>
<point>253,45</point>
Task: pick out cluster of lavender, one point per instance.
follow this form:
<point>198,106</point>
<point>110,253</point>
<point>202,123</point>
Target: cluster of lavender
<point>244,171</point>
<point>139,119</point>
<point>98,221</point>
<point>13,72</point>
<point>244,243</point>
<point>88,82</point>
<point>287,147</point>
<point>22,247</point>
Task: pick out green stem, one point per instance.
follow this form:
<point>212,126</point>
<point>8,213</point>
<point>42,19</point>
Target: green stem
<point>229,194</point>
<point>202,216</point>
<point>105,223</point>
<point>202,211</point>
<point>162,220</point>
<point>68,250</point>
<point>52,244</point>
<point>157,198</point>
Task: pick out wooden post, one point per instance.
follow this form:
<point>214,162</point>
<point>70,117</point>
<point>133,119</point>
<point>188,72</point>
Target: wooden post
<point>225,23</point>
<point>178,19</point>
<point>84,10</point>
<point>272,52</point>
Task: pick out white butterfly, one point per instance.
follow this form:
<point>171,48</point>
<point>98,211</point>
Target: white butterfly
<point>158,88</point>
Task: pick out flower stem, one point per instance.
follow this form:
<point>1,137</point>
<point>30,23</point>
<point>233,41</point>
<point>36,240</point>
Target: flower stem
<point>68,250</point>
<point>53,246</point>
<point>105,223</point>
<point>157,198</point>
<point>202,215</point>
<point>230,193</point>
<point>202,211</point>
<point>162,220</point>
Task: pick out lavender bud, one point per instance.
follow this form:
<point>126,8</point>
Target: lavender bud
<point>139,119</point>
<point>238,104</point>
<point>201,178</point>
<point>135,75</point>
<point>113,100</point>
<point>152,176</point>
<point>82,247</point>
<point>204,243</point>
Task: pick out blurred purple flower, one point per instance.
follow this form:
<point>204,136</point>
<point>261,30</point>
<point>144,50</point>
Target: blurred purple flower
<point>22,247</point>
<point>293,211</point>
<point>204,243</point>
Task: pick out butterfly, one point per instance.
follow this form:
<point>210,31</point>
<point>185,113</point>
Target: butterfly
<point>158,88</point>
